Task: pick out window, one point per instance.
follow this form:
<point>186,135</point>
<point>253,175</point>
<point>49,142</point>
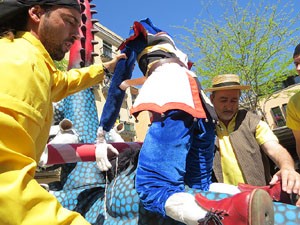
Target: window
<point>107,50</point>
<point>278,117</point>
<point>284,108</point>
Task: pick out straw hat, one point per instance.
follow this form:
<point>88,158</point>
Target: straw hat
<point>227,82</point>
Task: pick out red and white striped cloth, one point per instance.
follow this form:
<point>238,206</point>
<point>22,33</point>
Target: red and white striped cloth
<point>70,153</point>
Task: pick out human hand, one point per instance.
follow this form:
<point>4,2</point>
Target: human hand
<point>102,149</point>
<point>111,65</point>
<point>101,155</point>
<point>124,85</point>
<point>290,181</point>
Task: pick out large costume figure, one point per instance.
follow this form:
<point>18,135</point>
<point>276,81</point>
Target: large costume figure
<point>179,146</point>
<point>181,130</point>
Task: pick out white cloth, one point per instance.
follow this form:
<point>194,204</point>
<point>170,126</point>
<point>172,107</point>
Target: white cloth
<point>170,86</point>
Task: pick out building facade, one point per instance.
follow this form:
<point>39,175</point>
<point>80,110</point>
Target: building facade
<point>107,48</point>
<point>274,108</point>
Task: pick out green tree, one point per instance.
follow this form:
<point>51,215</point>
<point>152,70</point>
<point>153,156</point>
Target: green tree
<point>253,41</point>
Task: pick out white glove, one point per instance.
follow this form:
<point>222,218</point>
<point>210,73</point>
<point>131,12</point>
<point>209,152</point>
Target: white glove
<point>102,149</point>
<point>183,207</point>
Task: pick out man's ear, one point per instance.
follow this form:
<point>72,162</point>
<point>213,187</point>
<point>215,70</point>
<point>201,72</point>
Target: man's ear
<point>35,13</point>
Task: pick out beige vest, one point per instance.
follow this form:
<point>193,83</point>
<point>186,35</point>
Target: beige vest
<point>252,160</point>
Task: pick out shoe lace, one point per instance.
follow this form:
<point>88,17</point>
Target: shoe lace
<point>213,216</point>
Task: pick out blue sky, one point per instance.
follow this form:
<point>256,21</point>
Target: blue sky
<point>163,13</point>
<point>118,16</point>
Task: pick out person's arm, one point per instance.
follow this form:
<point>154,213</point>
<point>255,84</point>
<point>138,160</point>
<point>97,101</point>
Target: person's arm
<point>290,179</point>
<point>69,82</point>
<point>111,65</point>
<point>297,139</point>
<point>279,155</point>
<point>287,174</point>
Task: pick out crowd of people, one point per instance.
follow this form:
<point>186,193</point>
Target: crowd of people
<point>189,143</point>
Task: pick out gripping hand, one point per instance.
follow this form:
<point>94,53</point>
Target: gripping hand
<point>102,149</point>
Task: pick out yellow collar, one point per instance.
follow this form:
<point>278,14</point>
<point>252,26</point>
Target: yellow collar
<point>37,43</point>
<point>222,129</point>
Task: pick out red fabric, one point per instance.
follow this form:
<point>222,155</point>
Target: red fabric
<point>69,153</point>
<point>54,156</point>
<point>190,64</point>
<point>138,29</point>
<point>86,152</point>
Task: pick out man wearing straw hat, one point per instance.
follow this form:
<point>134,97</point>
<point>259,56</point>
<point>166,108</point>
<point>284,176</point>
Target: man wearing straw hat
<point>33,34</point>
<point>243,143</point>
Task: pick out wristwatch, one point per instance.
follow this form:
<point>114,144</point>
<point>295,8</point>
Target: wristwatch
<point>105,70</point>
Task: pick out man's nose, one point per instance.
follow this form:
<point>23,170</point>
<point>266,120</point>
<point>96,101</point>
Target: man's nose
<point>229,105</point>
<point>76,34</point>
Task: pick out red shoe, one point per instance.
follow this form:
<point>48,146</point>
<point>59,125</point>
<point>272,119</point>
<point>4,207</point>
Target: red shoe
<point>275,192</point>
<point>251,208</point>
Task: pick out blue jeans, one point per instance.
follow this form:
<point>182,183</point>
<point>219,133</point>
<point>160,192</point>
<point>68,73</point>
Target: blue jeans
<point>177,151</point>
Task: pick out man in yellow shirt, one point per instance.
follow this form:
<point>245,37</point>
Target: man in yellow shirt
<point>244,141</point>
<point>33,34</point>
<point>293,106</point>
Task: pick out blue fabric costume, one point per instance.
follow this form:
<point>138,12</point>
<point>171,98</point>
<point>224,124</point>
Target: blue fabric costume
<point>178,148</point>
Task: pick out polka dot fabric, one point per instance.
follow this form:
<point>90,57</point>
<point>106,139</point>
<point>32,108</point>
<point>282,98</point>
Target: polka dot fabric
<point>123,205</point>
<point>80,178</point>
<point>81,109</point>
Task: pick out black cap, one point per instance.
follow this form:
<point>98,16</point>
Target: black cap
<point>11,8</point>
<point>64,3</point>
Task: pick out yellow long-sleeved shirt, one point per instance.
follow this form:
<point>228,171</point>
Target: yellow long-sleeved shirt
<point>29,83</point>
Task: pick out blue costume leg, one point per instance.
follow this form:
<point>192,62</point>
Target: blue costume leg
<point>162,162</point>
<point>200,156</point>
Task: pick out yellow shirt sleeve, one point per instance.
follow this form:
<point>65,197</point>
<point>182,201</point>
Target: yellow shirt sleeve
<point>68,83</point>
<point>264,133</point>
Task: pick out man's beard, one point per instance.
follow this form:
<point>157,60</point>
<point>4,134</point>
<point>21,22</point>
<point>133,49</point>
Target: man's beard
<point>57,53</point>
<point>228,116</point>
<point>48,39</point>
